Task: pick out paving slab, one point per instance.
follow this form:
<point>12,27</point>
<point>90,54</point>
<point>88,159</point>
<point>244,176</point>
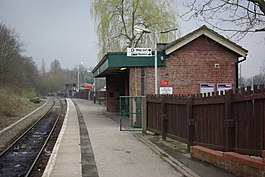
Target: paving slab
<point>65,159</point>
<point>110,152</point>
<point>119,153</point>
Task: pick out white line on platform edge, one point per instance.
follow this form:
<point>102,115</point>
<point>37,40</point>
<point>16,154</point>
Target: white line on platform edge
<point>52,159</point>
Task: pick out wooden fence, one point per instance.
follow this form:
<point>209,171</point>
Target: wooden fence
<point>87,94</point>
<point>227,122</point>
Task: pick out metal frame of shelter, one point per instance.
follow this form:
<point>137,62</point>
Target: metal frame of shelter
<point>131,109</point>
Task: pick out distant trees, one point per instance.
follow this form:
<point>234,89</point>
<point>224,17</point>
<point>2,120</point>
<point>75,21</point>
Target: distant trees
<point>15,69</point>
<point>258,79</point>
<point>238,16</point>
<point>27,74</point>
<point>116,19</point>
<point>55,79</point>
<point>10,49</point>
<point>18,71</point>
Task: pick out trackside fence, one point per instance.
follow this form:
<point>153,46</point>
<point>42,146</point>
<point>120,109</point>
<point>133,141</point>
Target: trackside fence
<point>226,121</point>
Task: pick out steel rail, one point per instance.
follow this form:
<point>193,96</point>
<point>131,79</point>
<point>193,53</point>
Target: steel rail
<point>46,141</point>
<point>25,132</point>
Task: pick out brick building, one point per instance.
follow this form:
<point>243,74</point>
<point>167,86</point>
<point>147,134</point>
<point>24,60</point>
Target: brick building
<point>201,61</point>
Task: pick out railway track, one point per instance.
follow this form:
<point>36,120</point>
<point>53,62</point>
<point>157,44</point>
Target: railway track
<point>20,157</point>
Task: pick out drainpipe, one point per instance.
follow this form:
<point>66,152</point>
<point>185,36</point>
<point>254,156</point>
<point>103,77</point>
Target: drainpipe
<point>244,59</point>
<point>142,81</point>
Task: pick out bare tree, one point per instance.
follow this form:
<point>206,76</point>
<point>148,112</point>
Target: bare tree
<point>21,71</point>
<point>27,74</point>
<point>260,78</point>
<point>238,16</point>
<point>10,49</point>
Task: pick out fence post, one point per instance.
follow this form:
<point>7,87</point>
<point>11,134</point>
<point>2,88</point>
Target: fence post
<point>144,117</point>
<point>191,123</point>
<point>229,123</point>
<point>164,118</point>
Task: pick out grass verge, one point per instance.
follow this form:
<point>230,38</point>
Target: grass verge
<point>14,104</point>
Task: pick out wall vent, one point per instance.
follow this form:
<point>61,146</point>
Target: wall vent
<point>216,65</point>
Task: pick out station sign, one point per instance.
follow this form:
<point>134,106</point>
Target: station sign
<point>166,90</point>
<point>223,87</point>
<point>139,52</point>
<point>207,88</point>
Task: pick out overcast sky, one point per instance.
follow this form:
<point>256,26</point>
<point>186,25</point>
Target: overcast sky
<point>53,29</point>
<point>63,30</point>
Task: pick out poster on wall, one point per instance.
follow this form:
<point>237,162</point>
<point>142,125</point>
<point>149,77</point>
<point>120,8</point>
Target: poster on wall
<point>166,90</point>
<point>223,87</point>
<point>206,88</point>
<point>164,83</point>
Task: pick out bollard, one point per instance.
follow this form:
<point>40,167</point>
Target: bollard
<point>164,126</point>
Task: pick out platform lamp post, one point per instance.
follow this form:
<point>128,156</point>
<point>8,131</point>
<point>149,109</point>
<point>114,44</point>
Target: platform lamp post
<point>78,76</point>
<point>145,30</point>
<point>94,87</point>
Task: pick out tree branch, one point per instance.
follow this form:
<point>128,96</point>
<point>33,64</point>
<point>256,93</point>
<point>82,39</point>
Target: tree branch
<point>261,4</point>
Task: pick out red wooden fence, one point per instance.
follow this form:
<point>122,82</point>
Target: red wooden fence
<point>227,122</point>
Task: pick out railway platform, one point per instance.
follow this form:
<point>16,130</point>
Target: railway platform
<point>66,156</point>
<point>91,144</point>
<point>115,153</point>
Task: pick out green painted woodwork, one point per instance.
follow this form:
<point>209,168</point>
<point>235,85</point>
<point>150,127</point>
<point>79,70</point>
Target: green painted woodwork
<point>122,60</point>
<point>113,61</point>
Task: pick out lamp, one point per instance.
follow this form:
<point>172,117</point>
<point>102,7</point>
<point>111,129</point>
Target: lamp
<point>78,77</point>
<point>145,30</point>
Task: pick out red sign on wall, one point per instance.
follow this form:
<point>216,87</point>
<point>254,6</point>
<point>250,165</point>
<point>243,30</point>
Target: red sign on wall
<point>164,82</point>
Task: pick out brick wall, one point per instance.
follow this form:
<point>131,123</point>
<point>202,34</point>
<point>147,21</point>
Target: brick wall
<point>149,81</point>
<point>194,64</point>
<point>135,81</point>
<point>242,165</point>
<point>188,67</point>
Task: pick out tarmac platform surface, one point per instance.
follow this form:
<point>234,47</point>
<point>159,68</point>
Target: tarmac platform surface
<point>91,144</point>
